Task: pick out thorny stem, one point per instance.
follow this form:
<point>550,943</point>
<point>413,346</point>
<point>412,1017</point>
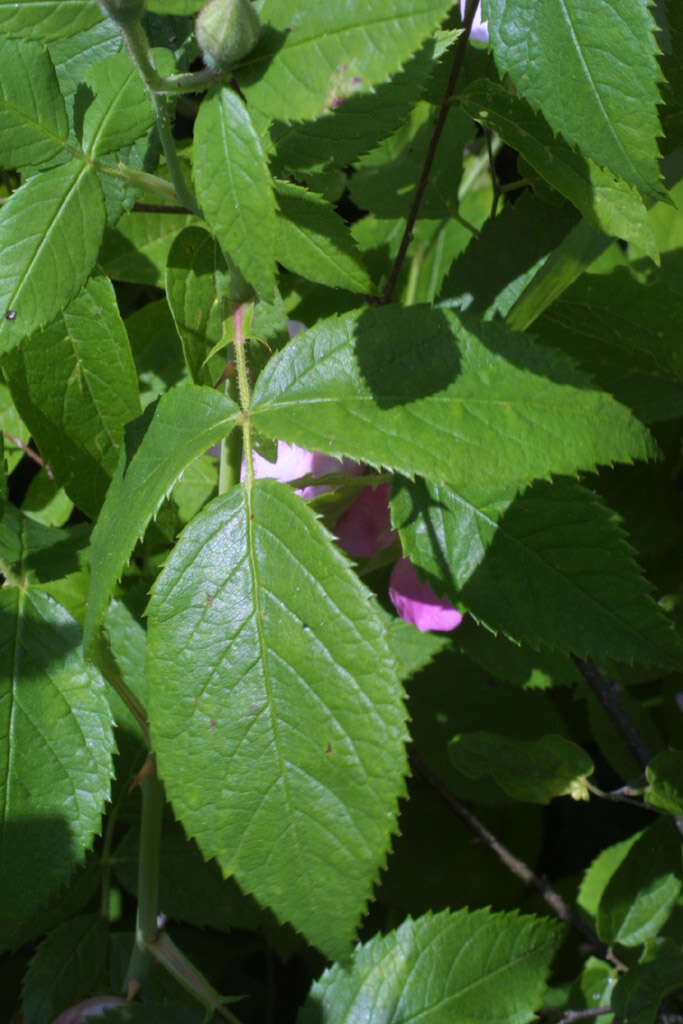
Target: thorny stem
<point>458,60</point>
<point>518,867</point>
<point>243,388</point>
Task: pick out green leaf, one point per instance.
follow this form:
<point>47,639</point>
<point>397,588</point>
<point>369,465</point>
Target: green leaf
<point>345,48</point>
<point>605,56</point>
<point>313,241</point>
<point>510,249</point>
<point>464,966</point>
<point>156,350</point>
<point>641,893</point>
<point>292,732</point>
<point>550,568</point>
<point>665,776</point>
<point>46,20</point>
<point>530,770</point>
<point>76,387</point>
<point>190,888</point>
<point>352,128</point>
<point>66,966</point>
<point>420,391</point>
<point>614,318</point>
<point>516,664</point>
<point>54,715</point>
<point>155,1013</point>
<point>639,993</point>
<point>564,265</point>
<point>72,56</point>
<point>137,249</point>
<point>50,233</point>
<point>234,187</point>
<point>385,179</point>
<point>121,110</point>
<point>158,446</point>
<point>610,204</point>
<point>33,121</point>
<point>197,287</point>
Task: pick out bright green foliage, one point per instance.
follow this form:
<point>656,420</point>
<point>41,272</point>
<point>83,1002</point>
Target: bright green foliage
<point>235,188</point>
<point>609,203</point>
<point>314,242</point>
<point>198,287</point>
<point>47,19</point>
<point>68,962</point>
<point>346,48</point>
<point>273,732</point>
<point>641,893</point>
<point>443,968</point>
<point>50,231</point>
<point>665,775</point>
<point>156,449</point>
<point>32,113</point>
<point>136,250</point>
<point>76,387</point>
<point>603,56</point>
<point>423,380</point>
<point>121,110</point>
<point>534,771</point>
<point>519,564</point>
<point>49,699</point>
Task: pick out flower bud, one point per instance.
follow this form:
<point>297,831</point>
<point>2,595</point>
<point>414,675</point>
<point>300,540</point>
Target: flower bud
<point>226,31</point>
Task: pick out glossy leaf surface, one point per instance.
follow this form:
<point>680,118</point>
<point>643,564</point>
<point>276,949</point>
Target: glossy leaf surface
<point>420,391</point>
<point>462,966</point>
<point>276,713</point>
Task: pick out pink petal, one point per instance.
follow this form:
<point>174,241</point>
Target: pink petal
<point>365,527</point>
<point>293,462</point>
<point>89,1008</point>
<point>417,603</point>
<point>480,29</point>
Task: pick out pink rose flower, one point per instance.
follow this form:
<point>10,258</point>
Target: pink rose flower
<point>363,530</point>
<point>480,29</point>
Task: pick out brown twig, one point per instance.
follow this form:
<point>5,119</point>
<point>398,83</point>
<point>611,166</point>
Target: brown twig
<point>456,67</point>
<point>573,1015</point>
<point>28,451</point>
<point>518,867</point>
<point>608,693</point>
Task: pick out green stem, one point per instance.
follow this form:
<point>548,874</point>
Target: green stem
<point>137,44</point>
<point>146,929</point>
<point>243,388</point>
<point>189,81</point>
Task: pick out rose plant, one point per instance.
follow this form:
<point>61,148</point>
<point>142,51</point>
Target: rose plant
<point>236,781</point>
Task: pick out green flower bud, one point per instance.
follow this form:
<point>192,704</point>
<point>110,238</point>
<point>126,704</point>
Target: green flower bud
<point>123,11</point>
<point>226,31</point>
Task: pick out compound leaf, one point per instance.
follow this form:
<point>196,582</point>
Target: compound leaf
<point>276,711</point>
